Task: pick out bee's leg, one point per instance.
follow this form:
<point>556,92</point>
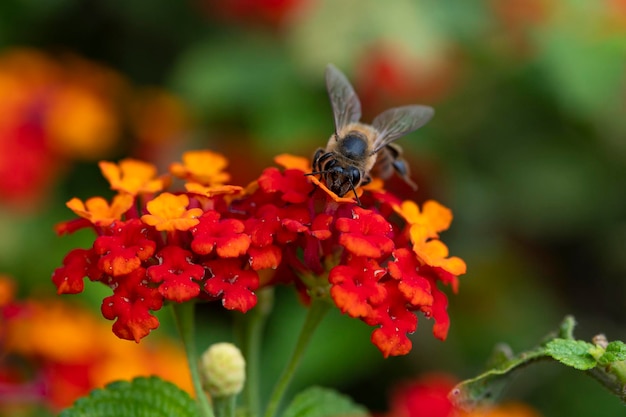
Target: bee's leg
<point>402,168</point>
<point>316,159</point>
<point>319,153</point>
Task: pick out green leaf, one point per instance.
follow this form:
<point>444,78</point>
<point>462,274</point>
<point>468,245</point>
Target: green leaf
<point>323,402</point>
<point>615,352</point>
<point>141,397</point>
<point>574,353</point>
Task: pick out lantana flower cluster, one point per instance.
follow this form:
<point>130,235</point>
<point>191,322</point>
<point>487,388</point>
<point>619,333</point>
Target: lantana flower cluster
<point>380,261</point>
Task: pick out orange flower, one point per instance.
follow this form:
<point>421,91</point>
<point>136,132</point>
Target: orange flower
<point>427,223</point>
<point>212,191</point>
<point>204,167</point>
<point>98,211</point>
<point>7,290</point>
<point>288,161</point>
<point>435,253</point>
<point>425,226</point>
<point>168,212</point>
<point>81,124</point>
<point>133,176</point>
<point>157,116</point>
<point>74,352</point>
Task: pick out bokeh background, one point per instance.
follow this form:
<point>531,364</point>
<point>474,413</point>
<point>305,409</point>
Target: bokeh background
<point>528,148</point>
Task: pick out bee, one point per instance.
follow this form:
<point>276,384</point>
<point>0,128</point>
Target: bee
<point>355,150</point>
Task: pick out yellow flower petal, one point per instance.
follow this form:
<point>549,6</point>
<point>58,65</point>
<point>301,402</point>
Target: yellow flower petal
<point>98,211</point>
<point>212,191</point>
<point>168,212</point>
<point>288,161</point>
<point>425,223</point>
<point>133,176</point>
<point>204,167</point>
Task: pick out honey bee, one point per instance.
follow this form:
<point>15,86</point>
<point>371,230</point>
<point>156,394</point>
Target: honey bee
<point>356,149</point>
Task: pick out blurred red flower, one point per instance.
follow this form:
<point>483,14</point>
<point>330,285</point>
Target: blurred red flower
<point>427,396</point>
<point>54,110</point>
<point>272,13</point>
<point>389,75</point>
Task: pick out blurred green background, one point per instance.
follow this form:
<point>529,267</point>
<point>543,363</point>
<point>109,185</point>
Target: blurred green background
<point>528,148</point>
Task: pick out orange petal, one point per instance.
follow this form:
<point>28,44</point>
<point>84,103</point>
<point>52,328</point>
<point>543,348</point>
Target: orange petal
<point>288,161</point>
<point>334,196</point>
<point>435,252</point>
<point>438,216</point>
<point>98,211</point>
<point>169,212</point>
<point>132,176</point>
<point>212,191</point>
<point>204,167</point>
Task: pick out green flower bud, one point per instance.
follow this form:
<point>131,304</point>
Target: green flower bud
<point>224,370</point>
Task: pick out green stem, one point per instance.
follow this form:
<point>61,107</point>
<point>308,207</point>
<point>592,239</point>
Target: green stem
<point>619,370</point>
<point>184,315</point>
<point>225,406</point>
<point>249,331</point>
<point>314,316</point>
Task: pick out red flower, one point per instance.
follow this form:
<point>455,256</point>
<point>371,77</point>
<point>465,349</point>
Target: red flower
<point>395,321</point>
<point>177,274</point>
<point>365,234</point>
<point>266,257</point>
<point>411,284</point>
<point>233,284</point>
<point>356,286</point>
<point>226,236</point>
<point>123,251</point>
<point>380,263</point>
<point>130,304</point>
<point>438,311</point>
<point>264,226</point>
<point>78,264</point>
<point>424,397</point>
<point>293,186</point>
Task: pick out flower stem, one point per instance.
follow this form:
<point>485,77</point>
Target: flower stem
<point>317,310</point>
<point>184,316</point>
<point>225,406</point>
<point>249,331</point>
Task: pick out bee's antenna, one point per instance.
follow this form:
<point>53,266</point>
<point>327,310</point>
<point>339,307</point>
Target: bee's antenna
<point>355,194</point>
<point>316,173</point>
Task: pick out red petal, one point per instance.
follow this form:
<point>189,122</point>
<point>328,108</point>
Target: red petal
<point>405,269</point>
<point>355,286</point>
<point>265,257</point>
<point>232,284</point>
<point>177,274</point>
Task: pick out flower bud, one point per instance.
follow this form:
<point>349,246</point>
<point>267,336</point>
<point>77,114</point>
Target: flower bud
<point>224,370</point>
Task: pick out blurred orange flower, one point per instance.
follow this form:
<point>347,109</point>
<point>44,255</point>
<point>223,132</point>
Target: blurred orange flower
<point>157,116</point>
<point>71,351</point>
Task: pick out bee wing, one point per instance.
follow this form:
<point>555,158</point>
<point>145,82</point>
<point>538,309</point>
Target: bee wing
<point>394,123</point>
<point>345,103</point>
